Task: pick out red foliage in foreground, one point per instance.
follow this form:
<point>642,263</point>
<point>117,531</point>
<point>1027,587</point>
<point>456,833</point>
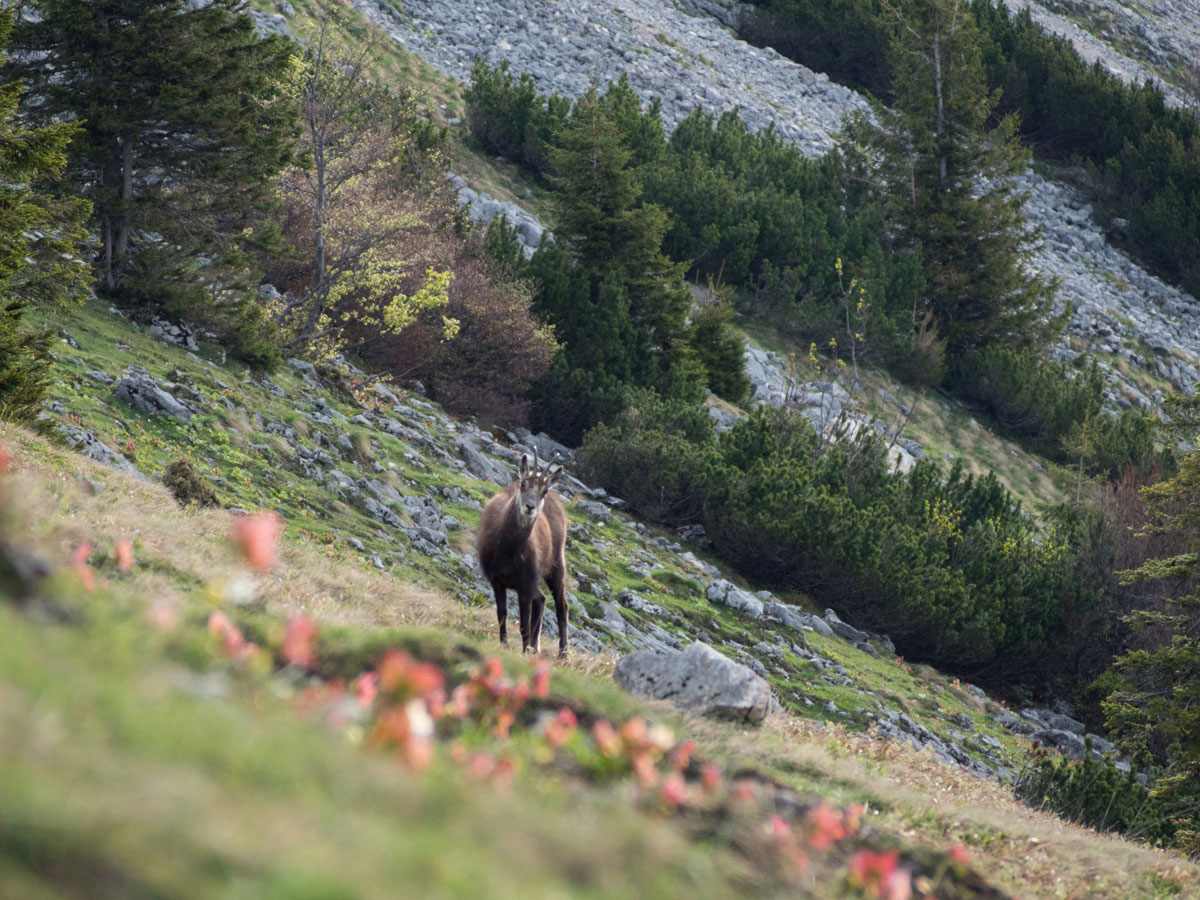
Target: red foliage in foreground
<point>255,536</point>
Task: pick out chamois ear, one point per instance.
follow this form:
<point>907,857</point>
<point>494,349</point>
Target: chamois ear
<point>524,466</point>
<point>553,476</point>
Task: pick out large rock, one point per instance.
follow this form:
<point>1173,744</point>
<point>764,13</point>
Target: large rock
<point>843,630</point>
<point>735,598</point>
<point>795,618</point>
<point>143,393</point>
<point>699,680</point>
<point>93,448</point>
<point>1066,742</point>
<point>479,465</point>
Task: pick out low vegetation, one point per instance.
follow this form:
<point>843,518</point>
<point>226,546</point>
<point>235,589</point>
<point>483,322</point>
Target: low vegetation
<point>303,706</point>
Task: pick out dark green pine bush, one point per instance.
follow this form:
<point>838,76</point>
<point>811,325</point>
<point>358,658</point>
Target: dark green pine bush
<point>1094,792</point>
<point>948,564</point>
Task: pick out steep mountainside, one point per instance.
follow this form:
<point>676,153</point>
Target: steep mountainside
<point>379,491</point>
<point>1130,317</point>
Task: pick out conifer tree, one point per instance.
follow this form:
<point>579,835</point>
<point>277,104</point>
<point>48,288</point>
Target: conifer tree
<point>1157,709</point>
<point>947,181</point>
<point>611,234</point>
<point>182,118</point>
<point>39,240</point>
<point>618,304</point>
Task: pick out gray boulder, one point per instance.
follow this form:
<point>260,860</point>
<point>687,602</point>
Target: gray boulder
<point>303,366</point>
<point>143,393</point>
<point>1066,742</point>
<point>1012,723</point>
<point>597,511</point>
<point>697,679</point>
<point>479,465</point>
<point>1060,721</point>
<point>180,335</point>
<point>726,594</point>
<point>381,513</point>
<point>93,448</point>
<point>841,629</point>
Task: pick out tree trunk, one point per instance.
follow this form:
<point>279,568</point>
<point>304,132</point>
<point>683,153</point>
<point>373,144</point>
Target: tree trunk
<point>939,122</point>
<point>124,222</point>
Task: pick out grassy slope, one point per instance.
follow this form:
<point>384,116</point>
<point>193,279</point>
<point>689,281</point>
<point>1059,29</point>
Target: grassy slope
<point>137,762</point>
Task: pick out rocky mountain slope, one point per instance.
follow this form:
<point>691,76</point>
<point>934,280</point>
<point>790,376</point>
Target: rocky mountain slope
<point>687,56</point>
<point>393,481</point>
<point>379,491</point>
<point>1156,41</point>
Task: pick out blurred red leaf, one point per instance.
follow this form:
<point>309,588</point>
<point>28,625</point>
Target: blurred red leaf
<point>873,872</point>
<point>299,642</point>
<point>541,679</point>
<point>256,536</point>
<point>82,569</point>
<point>125,560</point>
<point>673,790</point>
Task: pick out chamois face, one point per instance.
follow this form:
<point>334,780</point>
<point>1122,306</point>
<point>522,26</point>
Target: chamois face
<point>535,483</point>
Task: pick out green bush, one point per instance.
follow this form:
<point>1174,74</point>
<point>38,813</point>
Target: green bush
<point>744,207</point>
<point>1054,409</point>
<point>948,564</point>
<point>1095,793</point>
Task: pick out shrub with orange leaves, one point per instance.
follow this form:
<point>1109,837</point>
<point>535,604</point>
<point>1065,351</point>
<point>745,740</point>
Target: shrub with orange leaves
<point>401,677</point>
<point>781,839</point>
<point>299,642</point>
<point>232,640</point>
<point>879,875</point>
<point>959,854</point>
<point>80,565</point>
<point>823,827</point>
<point>673,790</point>
<point>541,679</point>
<point>256,536</point>
<point>559,728</point>
<point>408,728</point>
<point>125,560</point>
<point>366,688</point>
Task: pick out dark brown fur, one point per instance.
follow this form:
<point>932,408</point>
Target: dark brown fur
<point>518,555</point>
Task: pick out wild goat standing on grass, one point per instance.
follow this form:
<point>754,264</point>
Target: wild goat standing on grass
<point>521,540</point>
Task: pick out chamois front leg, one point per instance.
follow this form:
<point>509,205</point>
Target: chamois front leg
<point>501,610</point>
<point>524,605</point>
<point>557,582</point>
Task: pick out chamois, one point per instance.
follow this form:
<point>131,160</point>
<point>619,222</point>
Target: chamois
<point>521,540</point>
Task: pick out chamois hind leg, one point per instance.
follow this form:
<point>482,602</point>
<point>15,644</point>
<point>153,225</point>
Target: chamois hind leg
<point>556,581</point>
<point>501,610</point>
<point>535,621</point>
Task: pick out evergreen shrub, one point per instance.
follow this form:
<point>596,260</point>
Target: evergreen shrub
<point>1095,793</point>
<point>948,564</point>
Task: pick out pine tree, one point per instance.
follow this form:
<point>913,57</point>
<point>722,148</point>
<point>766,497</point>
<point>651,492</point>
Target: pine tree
<point>1157,710</point>
<point>617,239</point>
<point>183,121</point>
<point>39,240</point>
<point>947,179</point>
<point>618,304</point>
